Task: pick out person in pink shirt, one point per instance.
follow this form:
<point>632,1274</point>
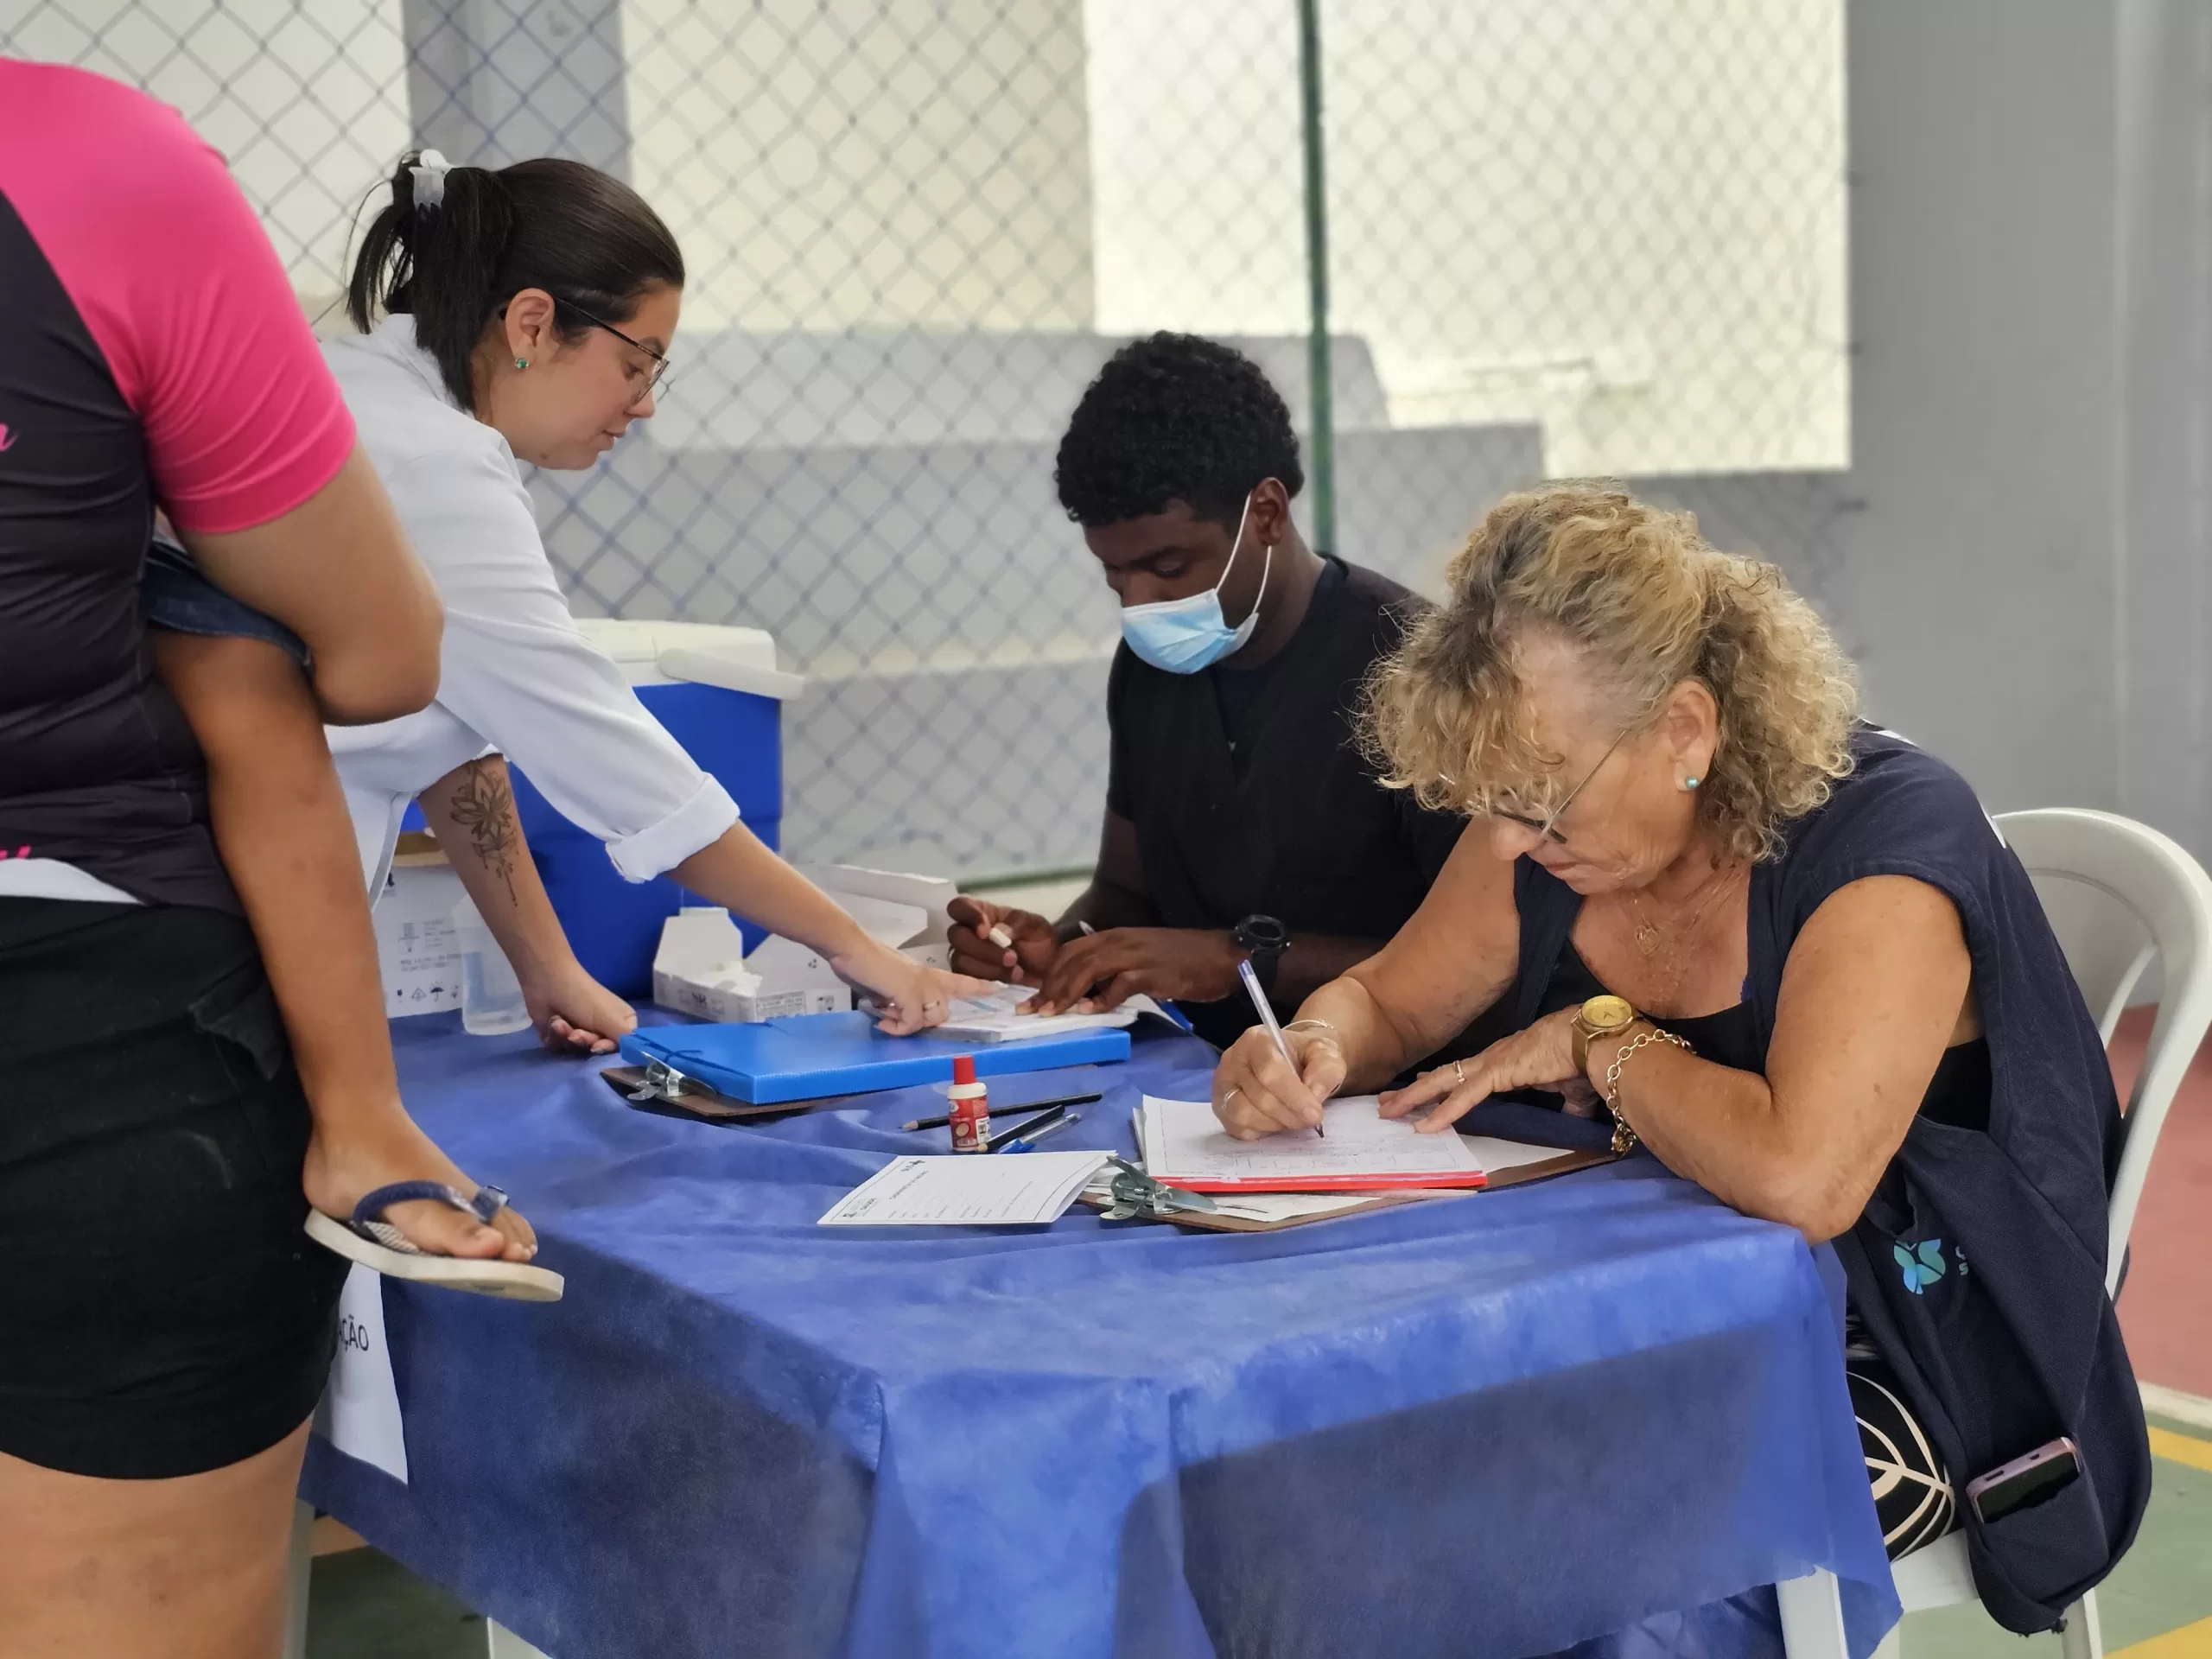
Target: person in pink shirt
<point>167,1324</point>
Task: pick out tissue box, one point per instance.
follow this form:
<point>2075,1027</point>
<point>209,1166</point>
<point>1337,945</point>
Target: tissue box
<point>701,967</point>
<point>701,970</point>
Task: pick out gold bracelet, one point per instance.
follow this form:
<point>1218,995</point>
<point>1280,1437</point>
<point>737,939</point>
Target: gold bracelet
<point>1624,1136</point>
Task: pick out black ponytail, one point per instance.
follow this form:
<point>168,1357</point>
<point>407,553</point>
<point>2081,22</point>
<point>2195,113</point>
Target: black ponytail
<point>585,238</point>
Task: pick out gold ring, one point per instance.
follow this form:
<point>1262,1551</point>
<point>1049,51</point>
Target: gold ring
<point>1230,1096</point>
<point>1459,1070</point>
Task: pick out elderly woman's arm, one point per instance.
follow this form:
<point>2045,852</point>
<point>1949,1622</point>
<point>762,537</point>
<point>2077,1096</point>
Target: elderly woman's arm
<point>1454,959</point>
<point>1874,990</point>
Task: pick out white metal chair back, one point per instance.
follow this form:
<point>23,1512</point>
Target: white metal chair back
<point>2120,895</point>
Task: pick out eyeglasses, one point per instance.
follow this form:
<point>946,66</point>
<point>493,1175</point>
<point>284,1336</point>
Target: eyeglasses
<point>661,364</point>
<point>1543,826</point>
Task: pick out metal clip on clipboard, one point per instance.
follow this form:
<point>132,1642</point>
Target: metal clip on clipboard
<point>1137,1193</point>
<point>661,1082</point>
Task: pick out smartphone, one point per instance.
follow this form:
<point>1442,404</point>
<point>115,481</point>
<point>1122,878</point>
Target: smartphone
<point>2025,1481</point>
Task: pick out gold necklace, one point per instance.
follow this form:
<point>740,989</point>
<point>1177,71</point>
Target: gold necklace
<point>1680,964</point>
<point>1649,934</point>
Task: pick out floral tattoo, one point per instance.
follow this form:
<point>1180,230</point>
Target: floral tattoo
<point>484,805</point>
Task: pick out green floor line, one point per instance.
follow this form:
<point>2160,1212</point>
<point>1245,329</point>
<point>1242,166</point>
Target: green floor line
<point>2157,1596</point>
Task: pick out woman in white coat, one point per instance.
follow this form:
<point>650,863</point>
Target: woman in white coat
<point>525,315</point>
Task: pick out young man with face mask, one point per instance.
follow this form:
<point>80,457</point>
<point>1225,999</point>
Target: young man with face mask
<point>1240,818</point>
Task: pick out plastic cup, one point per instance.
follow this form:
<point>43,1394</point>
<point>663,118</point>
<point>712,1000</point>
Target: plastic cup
<point>491,995</point>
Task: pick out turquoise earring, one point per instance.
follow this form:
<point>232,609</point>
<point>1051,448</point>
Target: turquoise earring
<point>522,362</point>
<point>1689,783</point>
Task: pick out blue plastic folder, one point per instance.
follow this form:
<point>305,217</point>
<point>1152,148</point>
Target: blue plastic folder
<point>810,1055</point>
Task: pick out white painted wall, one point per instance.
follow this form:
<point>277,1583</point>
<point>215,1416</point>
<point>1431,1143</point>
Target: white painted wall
<point>1621,218</point>
<point>865,163</point>
<point>306,99</point>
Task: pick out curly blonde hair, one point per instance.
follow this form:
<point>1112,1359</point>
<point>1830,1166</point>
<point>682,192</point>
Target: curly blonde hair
<point>1647,603</point>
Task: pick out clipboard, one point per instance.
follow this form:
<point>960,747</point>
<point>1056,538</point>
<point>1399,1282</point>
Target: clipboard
<point>1566,1163</point>
<point>636,1087</point>
<point>813,1057</point>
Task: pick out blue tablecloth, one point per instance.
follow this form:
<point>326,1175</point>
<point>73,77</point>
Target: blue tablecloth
<point>1502,1425</point>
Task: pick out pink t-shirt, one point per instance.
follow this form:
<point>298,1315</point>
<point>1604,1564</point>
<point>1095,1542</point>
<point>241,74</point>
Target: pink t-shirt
<point>151,353</point>
<point>174,278</point>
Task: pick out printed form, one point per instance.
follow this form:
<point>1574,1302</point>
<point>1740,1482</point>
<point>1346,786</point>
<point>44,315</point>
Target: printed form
<point>1022,1189</point>
<point>1185,1144</point>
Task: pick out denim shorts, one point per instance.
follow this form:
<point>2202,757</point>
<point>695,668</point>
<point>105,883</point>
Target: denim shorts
<point>177,597</point>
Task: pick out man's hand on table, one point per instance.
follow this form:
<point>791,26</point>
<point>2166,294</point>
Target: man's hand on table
<point>1103,972</point>
<point>1025,961</point>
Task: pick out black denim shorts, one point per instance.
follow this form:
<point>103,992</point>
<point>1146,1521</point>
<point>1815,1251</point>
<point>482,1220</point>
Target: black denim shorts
<point>161,1311</point>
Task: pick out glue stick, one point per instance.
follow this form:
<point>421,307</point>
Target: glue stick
<point>971,1108</point>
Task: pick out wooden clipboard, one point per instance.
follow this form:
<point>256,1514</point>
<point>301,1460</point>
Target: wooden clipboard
<point>1566,1163</point>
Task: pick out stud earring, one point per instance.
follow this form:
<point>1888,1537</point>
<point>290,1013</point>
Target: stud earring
<point>522,362</point>
<point>1689,783</point>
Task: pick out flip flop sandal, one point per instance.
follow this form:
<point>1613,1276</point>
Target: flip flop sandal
<point>377,1244</point>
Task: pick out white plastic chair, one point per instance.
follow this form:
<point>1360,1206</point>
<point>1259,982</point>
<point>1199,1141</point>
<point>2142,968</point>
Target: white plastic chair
<point>2120,895</point>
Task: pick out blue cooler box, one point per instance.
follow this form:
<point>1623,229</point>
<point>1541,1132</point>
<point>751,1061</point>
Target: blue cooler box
<point>719,693</point>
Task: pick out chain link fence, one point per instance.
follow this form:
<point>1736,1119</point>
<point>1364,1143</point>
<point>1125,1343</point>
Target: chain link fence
<point>1603,237</point>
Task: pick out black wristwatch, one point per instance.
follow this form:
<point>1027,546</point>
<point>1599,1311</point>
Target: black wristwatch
<point>1264,939</point>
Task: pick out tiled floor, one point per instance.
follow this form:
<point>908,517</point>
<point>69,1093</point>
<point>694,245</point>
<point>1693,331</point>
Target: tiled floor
<point>2166,1307</point>
<point>2157,1604</point>
<point>366,1606</point>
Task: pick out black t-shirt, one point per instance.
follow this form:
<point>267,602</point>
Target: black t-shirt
<point>97,768</point>
<point>1249,793</point>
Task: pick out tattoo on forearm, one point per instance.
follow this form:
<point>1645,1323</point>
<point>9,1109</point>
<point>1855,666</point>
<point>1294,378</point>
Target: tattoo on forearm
<point>484,805</point>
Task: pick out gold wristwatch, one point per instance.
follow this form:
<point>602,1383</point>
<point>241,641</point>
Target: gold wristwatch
<point>1601,1016</point>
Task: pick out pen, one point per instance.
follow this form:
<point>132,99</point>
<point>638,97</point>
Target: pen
<point>1030,1138</point>
<point>1008,1112</point>
<point>1267,1014</point>
<point>1013,1132</point>
<point>1000,937</point>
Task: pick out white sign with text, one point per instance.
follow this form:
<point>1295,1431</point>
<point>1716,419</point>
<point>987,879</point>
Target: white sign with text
<point>359,1414</point>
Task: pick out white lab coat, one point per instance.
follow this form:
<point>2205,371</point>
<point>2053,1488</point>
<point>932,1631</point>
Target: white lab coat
<point>515,674</point>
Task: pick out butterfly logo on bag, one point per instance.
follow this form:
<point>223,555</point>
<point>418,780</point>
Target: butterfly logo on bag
<point>1922,1263</point>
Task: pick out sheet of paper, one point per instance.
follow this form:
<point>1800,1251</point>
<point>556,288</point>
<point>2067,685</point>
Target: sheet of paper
<point>1292,1206</point>
<point>1495,1155</point>
<point>995,1018</point>
<point>1183,1141</point>
<point>967,1190</point>
<point>359,1414</point>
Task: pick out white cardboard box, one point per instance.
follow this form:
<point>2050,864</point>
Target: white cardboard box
<point>701,968</point>
<point>416,952</point>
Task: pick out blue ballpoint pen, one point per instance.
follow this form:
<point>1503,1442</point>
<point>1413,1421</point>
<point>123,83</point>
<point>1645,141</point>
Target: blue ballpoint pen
<point>1028,1142</point>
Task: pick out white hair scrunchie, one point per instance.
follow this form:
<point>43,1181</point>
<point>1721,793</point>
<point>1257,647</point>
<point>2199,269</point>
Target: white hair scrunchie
<point>429,170</point>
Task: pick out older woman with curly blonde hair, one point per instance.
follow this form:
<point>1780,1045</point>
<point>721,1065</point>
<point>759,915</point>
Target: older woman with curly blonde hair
<point>1780,947</point>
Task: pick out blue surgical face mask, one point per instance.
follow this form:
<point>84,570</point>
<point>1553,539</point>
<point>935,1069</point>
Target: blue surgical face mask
<point>1184,635</point>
